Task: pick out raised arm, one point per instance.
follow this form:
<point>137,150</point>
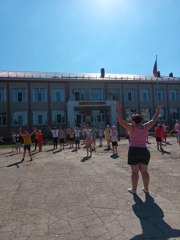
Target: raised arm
<point>123,123</point>
<point>151,123</point>
<point>33,132</point>
<point>20,132</point>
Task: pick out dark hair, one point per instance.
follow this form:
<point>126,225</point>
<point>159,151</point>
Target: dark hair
<point>137,118</point>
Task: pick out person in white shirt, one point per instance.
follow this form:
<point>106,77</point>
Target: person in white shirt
<point>55,135</point>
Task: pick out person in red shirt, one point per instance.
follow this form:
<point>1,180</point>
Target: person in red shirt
<point>36,140</point>
<point>158,132</point>
<point>40,140</point>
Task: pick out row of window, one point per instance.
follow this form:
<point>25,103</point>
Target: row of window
<point>39,118</point>
<point>59,117</point>
<point>80,94</point>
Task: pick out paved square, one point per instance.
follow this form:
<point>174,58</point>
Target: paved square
<point>59,196</point>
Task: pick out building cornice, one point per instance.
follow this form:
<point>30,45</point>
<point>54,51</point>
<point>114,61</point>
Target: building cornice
<point>82,76</point>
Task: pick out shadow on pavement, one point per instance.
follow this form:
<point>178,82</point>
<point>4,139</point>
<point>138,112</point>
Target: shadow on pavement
<point>33,153</point>
<point>164,152</point>
<point>85,159</point>
<point>151,218</point>
<point>11,154</point>
<point>14,164</point>
<point>57,151</point>
<point>50,150</point>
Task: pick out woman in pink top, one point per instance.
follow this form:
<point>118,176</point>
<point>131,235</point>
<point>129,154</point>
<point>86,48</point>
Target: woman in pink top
<point>178,133</point>
<point>138,154</point>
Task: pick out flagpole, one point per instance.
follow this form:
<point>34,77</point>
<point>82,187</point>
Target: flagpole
<point>157,83</point>
<point>156,75</point>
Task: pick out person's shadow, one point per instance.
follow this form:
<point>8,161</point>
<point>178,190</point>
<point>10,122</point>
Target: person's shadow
<point>151,219</point>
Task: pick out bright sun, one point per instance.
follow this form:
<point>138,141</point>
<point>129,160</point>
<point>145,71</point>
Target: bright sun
<point>106,7</point>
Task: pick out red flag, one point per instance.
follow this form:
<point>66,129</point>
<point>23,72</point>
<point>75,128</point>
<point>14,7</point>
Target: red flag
<point>155,68</point>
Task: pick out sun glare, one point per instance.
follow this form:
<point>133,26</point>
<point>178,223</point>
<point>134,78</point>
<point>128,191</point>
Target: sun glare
<point>107,7</point>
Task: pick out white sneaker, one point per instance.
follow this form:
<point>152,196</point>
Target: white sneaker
<point>131,191</point>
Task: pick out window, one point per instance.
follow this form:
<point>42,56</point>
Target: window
<point>159,93</point>
<point>39,95</point>
<point>114,94</point>
<point>130,94</point>
<point>77,94</point>
<point>96,94</point>
<point>98,116</point>
<point>129,113</point>
<point>58,117</point>
<point>174,113</point>
<point>57,95</point>
<point>39,117</point>
<point>145,112</point>
<point>19,119</point>
<point>19,95</point>
<point>162,115</point>
<point>144,95</point>
<point>173,95</point>
<point>3,120</point>
<point>2,95</point>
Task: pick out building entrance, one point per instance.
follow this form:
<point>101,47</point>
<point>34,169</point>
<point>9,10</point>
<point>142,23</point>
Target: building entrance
<point>93,117</point>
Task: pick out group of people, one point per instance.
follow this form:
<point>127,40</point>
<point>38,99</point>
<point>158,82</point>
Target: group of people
<point>160,133</point>
<point>137,129</point>
<point>16,140</point>
<point>72,136</point>
<point>28,141</point>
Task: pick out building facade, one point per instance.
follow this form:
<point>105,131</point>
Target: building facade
<point>29,99</point>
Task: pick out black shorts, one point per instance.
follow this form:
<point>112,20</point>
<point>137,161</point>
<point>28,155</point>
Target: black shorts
<point>114,144</point>
<point>137,155</point>
<point>158,139</point>
<point>55,139</point>
<point>61,140</point>
<point>27,147</point>
<point>77,140</point>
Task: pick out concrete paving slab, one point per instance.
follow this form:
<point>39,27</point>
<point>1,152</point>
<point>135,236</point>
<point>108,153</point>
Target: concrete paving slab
<point>59,196</point>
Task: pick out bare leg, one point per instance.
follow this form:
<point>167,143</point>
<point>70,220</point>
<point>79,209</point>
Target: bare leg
<point>30,155</point>
<point>90,150</point>
<point>134,176</point>
<point>87,150</point>
<point>115,149</point>
<point>24,153</point>
<point>145,176</point>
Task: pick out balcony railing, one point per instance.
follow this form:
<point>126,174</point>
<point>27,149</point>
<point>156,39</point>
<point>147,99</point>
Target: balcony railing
<point>85,76</point>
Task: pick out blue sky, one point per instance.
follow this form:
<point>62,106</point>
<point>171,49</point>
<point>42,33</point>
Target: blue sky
<point>82,36</point>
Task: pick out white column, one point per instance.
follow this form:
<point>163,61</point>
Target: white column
<point>70,113</point>
<point>113,116</point>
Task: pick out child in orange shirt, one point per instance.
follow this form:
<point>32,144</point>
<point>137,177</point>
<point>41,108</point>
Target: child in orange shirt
<point>158,135</point>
